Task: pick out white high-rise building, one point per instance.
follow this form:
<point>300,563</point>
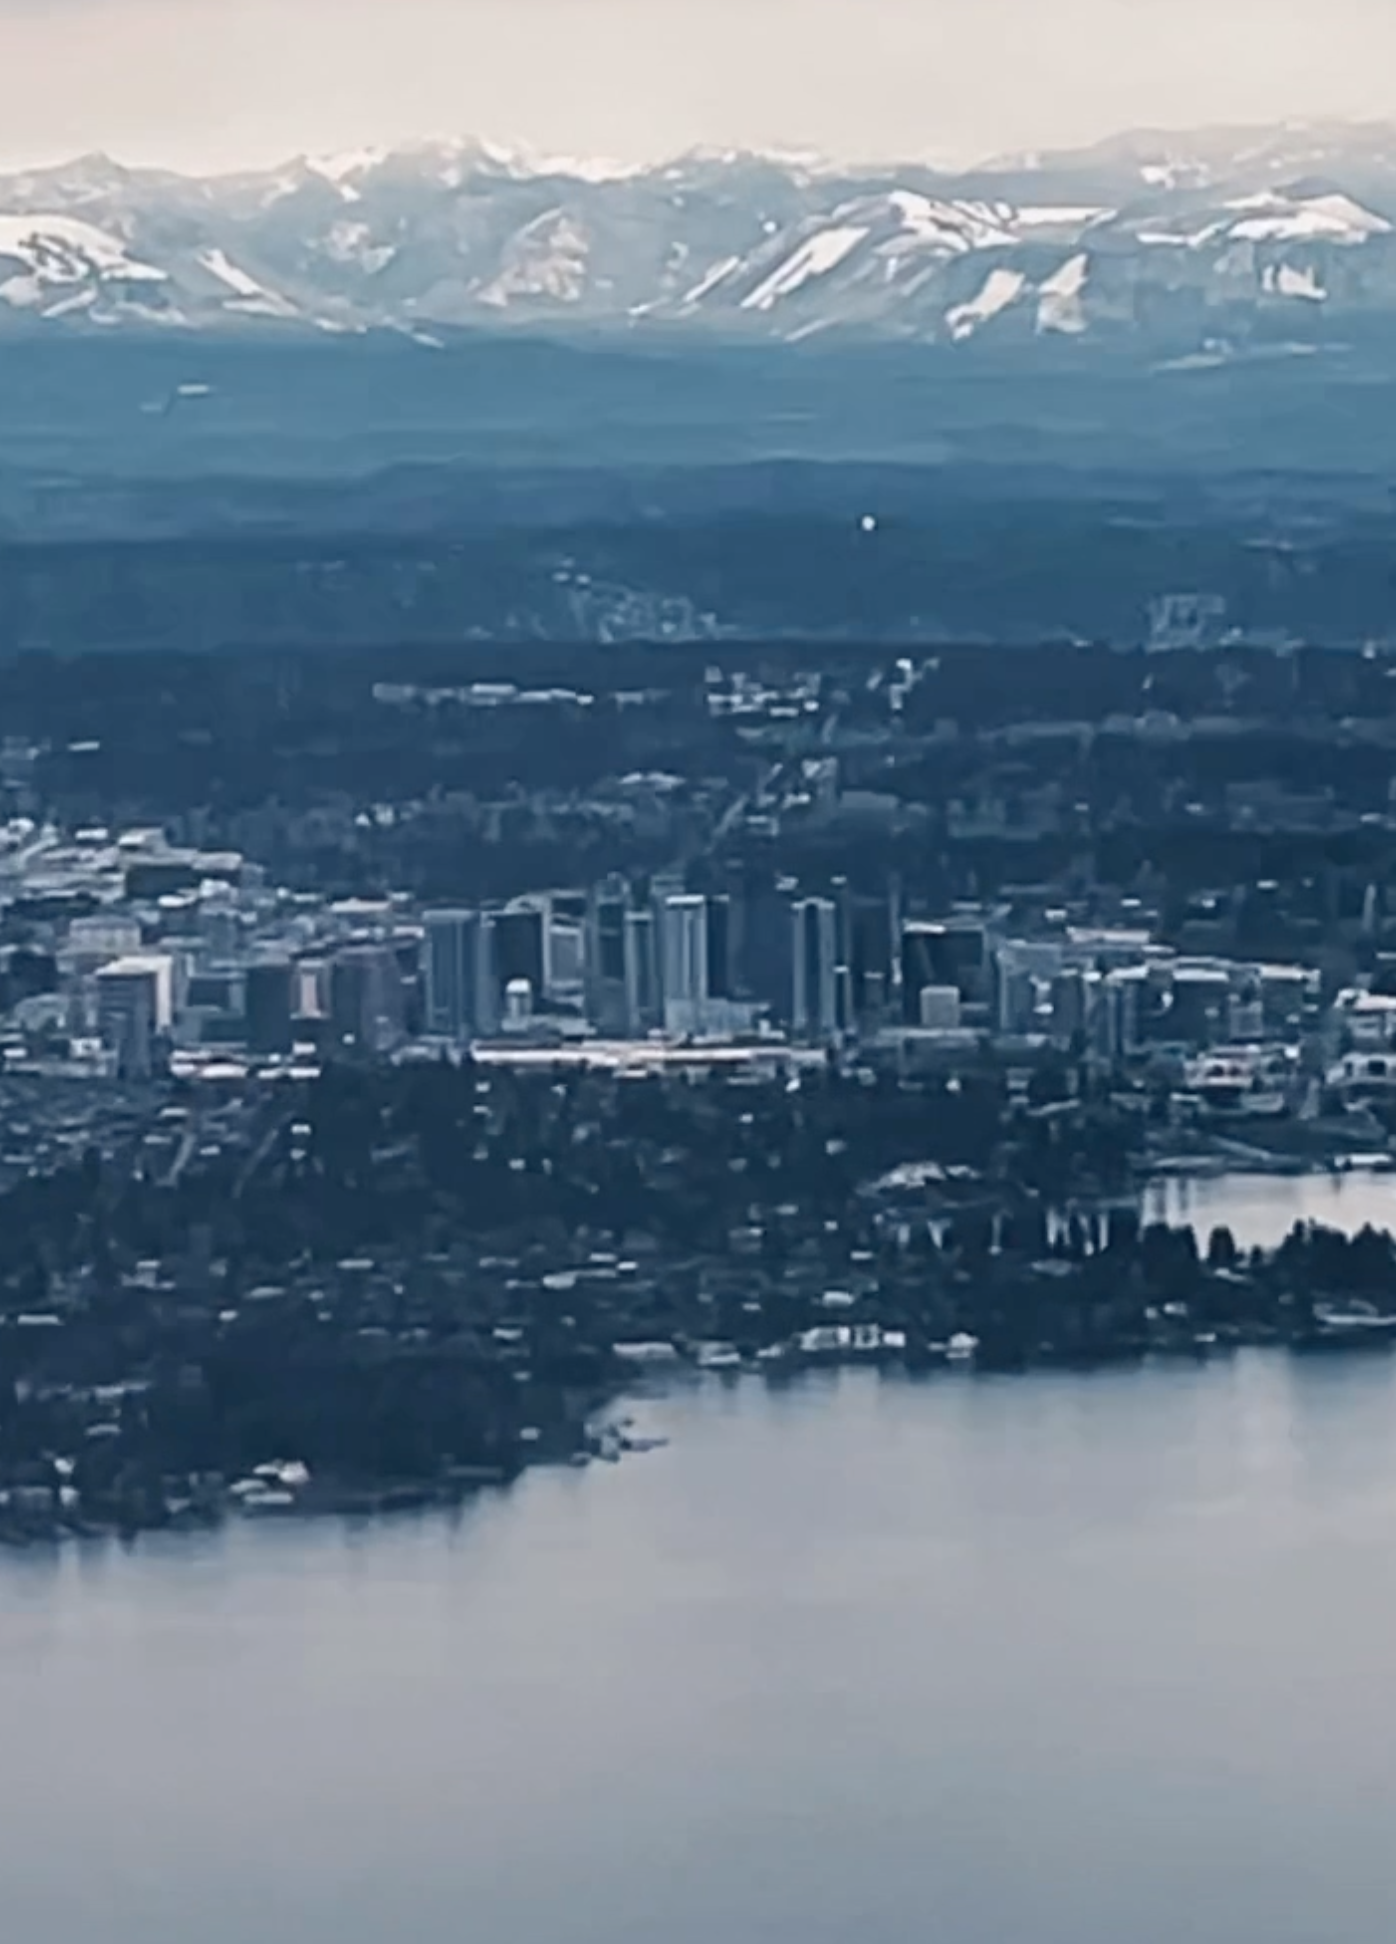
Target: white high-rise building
<point>135,1001</point>
<point>642,975</point>
<point>815,1010</point>
<point>683,951</point>
<point>366,998</point>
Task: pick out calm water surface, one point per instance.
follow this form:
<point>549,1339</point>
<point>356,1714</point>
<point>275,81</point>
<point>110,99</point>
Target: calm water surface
<point>1261,1209</point>
<point>1104,1659</point>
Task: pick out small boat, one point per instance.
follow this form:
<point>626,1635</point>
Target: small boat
<point>267,1502</point>
<point>1347,1329</point>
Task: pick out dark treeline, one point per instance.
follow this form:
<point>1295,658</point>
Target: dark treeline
<point>441,1268</point>
<point>1167,775</point>
<point>1009,570</point>
<point>293,725</point>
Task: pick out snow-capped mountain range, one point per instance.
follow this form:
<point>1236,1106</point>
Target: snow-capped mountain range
<point>1187,242</point>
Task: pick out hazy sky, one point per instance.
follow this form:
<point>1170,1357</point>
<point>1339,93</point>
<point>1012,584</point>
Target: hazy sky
<point>214,83</point>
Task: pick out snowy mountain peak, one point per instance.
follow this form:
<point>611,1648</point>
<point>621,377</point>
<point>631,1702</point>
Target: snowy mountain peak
<point>347,166</point>
<point>1173,241</point>
<point>1336,218</point>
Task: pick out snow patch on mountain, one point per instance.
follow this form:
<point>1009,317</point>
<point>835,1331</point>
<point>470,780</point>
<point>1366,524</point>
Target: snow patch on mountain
<point>81,300</point>
<point>816,257</point>
<point>961,225</point>
<point>1175,173</point>
<point>929,224</point>
<point>1000,289</point>
<point>219,265</point>
<point>344,171</point>
<point>1040,216</point>
<point>719,274</point>
<point>165,317</point>
<point>352,243</point>
<point>250,298</point>
<point>349,162</point>
<point>1170,239</point>
<point>1059,306</point>
<point>594,169</point>
<point>1290,280</point>
<point>54,253</point>
<point>453,163</point>
<point>548,260</point>
<point>1272,218</point>
<point>1152,237</point>
<point>48,242</point>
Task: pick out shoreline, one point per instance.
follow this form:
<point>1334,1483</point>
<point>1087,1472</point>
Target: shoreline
<point>615,1438</point>
<point>993,1287</point>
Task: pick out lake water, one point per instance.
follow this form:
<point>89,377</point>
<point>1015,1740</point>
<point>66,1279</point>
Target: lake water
<point>1061,1659</point>
<point>1261,1209</point>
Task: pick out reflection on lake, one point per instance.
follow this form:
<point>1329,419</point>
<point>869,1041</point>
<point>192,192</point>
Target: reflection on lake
<point>1260,1210</point>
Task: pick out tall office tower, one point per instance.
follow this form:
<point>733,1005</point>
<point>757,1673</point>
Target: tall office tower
<point>366,998</point>
<point>814,1012</point>
<point>894,943</point>
<point>607,995</point>
<point>406,946</point>
<point>489,994</point>
<point>644,1008</point>
<point>769,976</point>
<point>841,897</point>
<point>869,959</point>
<point>457,971</point>
<point>520,950</point>
<point>721,980</point>
<point>567,960</point>
<point>132,1007</point>
<point>847,990</point>
<point>684,960</point>
<point>737,889</point>
<point>663,885</point>
<point>608,925</point>
<point>267,1006</point>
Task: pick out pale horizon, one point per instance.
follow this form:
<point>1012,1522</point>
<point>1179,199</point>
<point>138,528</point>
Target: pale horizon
<point>221,85</point>
<point>602,167</point>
